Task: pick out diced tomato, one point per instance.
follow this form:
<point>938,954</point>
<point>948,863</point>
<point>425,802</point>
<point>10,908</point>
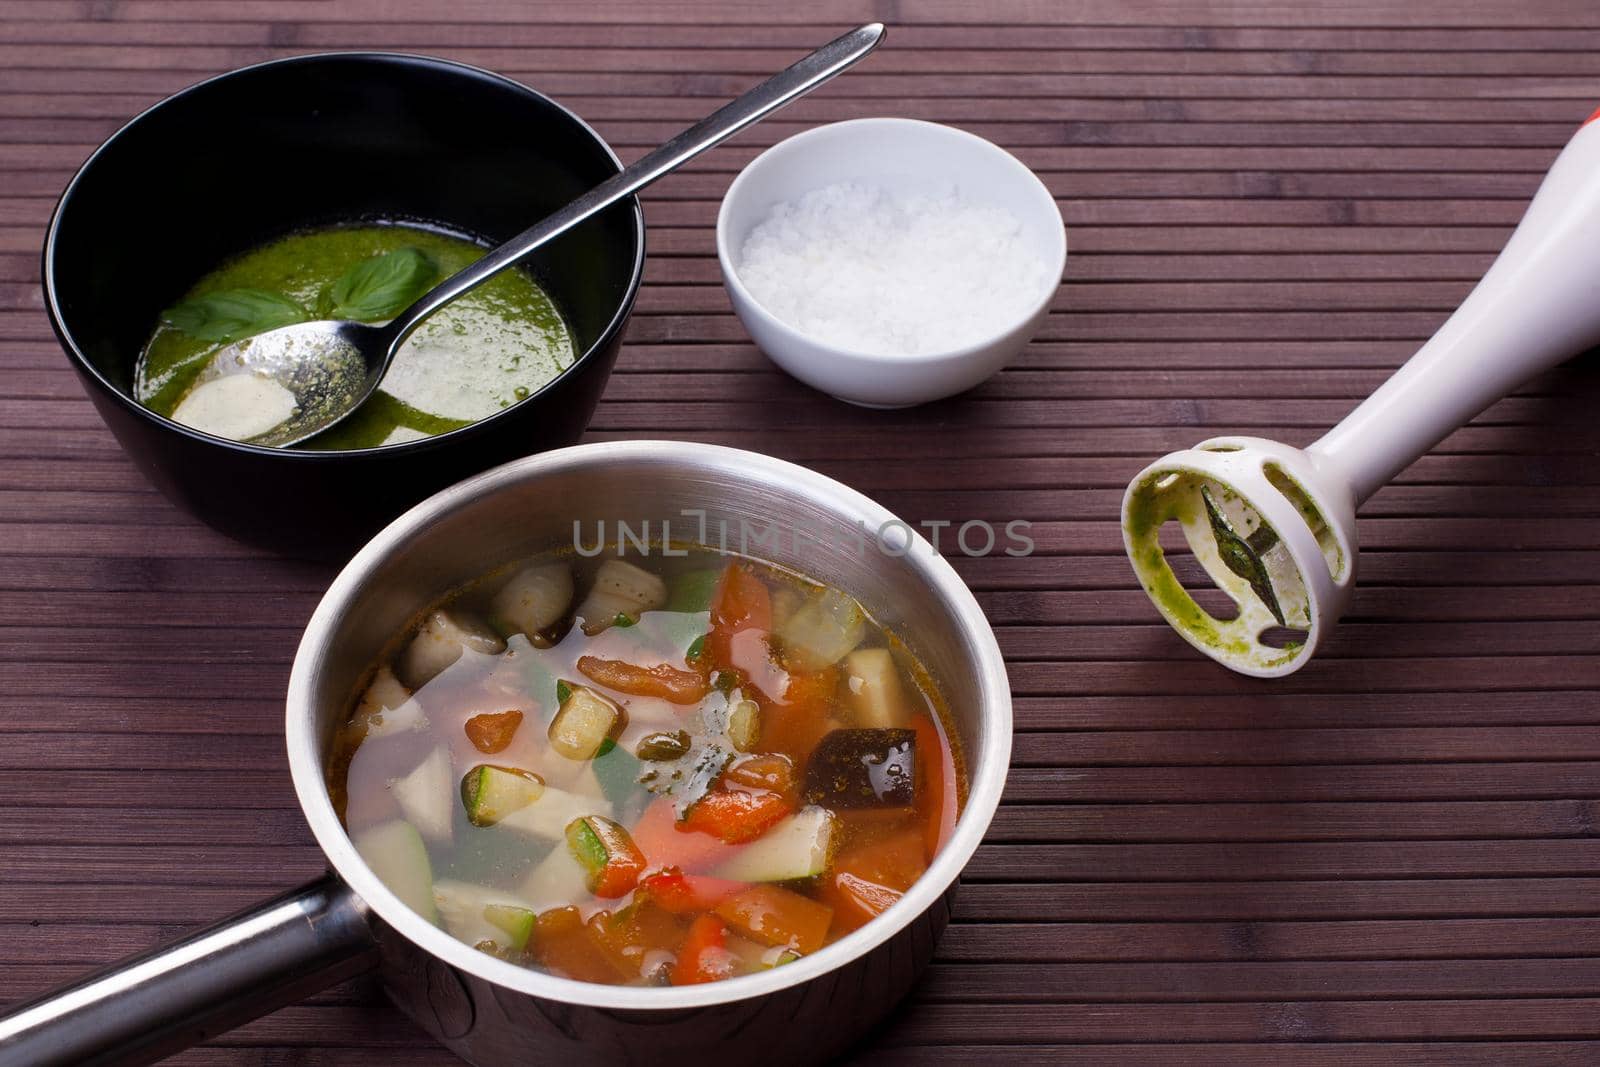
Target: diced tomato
<point>773,915</point>
<point>868,878</point>
<point>564,945</point>
<point>665,844</point>
<point>673,684</point>
<point>761,772</point>
<point>607,854</point>
<point>740,605</point>
<point>492,731</point>
<point>795,720</point>
<point>688,894</point>
<point>736,817</point>
<point>704,956</point>
<point>936,786</point>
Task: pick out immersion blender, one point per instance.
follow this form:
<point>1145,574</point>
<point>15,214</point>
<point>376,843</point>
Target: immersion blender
<point>1274,526</point>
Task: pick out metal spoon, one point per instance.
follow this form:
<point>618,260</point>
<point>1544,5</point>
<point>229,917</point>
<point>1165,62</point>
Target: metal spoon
<point>332,367</point>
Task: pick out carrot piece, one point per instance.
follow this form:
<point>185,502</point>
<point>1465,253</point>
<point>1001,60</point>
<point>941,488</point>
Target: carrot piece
<point>936,786</point>
<point>565,945</point>
<point>664,844</point>
<point>758,772</point>
<point>868,878</point>
<point>773,915</point>
<point>736,817</point>
<point>704,956</point>
<point>688,894</point>
<point>492,731</point>
<point>672,684</point>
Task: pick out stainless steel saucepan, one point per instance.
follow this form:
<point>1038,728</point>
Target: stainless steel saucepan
<point>488,1011</point>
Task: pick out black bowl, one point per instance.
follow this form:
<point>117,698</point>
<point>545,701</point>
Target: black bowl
<point>243,158</point>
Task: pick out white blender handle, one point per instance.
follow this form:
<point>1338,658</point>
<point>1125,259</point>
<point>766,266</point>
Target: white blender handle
<point>1538,305</point>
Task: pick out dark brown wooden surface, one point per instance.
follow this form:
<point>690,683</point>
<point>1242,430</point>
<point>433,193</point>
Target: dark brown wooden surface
<point>1390,858</point>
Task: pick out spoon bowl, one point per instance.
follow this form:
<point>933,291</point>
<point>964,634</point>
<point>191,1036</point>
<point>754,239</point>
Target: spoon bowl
<point>321,368</point>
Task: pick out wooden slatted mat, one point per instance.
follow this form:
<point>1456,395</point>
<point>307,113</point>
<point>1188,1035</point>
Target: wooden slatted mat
<point>1391,857</point>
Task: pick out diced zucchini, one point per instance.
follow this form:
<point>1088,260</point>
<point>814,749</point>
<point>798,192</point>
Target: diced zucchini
<point>425,796</point>
<point>744,724</point>
<point>395,853</point>
<point>476,913</point>
<point>873,689</point>
<point>587,720</point>
<point>515,922</point>
<point>801,846</point>
<point>822,630</point>
<point>548,816</point>
<point>620,589</point>
<point>491,793</point>
<point>557,881</point>
<point>535,598</point>
<point>611,861</point>
<point>441,639</point>
<point>386,707</point>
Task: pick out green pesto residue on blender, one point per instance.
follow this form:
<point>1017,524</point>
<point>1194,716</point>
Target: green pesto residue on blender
<point>481,353</point>
<point>1176,495</point>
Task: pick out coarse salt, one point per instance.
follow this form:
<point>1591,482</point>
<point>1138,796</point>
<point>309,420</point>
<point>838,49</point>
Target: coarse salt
<point>870,270</point>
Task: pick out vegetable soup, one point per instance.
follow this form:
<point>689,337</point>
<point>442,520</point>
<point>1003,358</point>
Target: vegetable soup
<point>648,770</point>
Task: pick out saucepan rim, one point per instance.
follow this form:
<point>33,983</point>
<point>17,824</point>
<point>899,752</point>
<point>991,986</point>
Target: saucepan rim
<point>986,774</point>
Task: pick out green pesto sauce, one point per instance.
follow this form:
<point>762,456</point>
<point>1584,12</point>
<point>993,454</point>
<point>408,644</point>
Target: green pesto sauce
<point>481,353</point>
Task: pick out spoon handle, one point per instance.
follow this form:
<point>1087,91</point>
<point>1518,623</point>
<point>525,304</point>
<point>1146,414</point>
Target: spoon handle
<point>772,94</point>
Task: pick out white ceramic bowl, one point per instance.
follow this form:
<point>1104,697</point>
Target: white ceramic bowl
<point>903,155</point>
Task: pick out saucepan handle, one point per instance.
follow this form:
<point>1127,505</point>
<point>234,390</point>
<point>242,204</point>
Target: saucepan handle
<point>160,1002</point>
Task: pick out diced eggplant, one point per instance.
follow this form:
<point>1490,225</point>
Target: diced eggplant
<point>548,816</point>
<point>477,914</point>
<point>586,720</point>
<point>620,589</point>
<point>491,793</point>
<point>395,853</point>
<point>533,600</point>
<point>863,769</point>
<point>801,846</point>
<point>426,797</point>
<point>386,707</point>
<point>872,688</point>
<point>441,639</point>
<point>822,630</point>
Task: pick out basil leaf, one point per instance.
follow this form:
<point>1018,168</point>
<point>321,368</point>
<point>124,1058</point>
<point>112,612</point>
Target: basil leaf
<point>379,287</point>
<point>231,314</point>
